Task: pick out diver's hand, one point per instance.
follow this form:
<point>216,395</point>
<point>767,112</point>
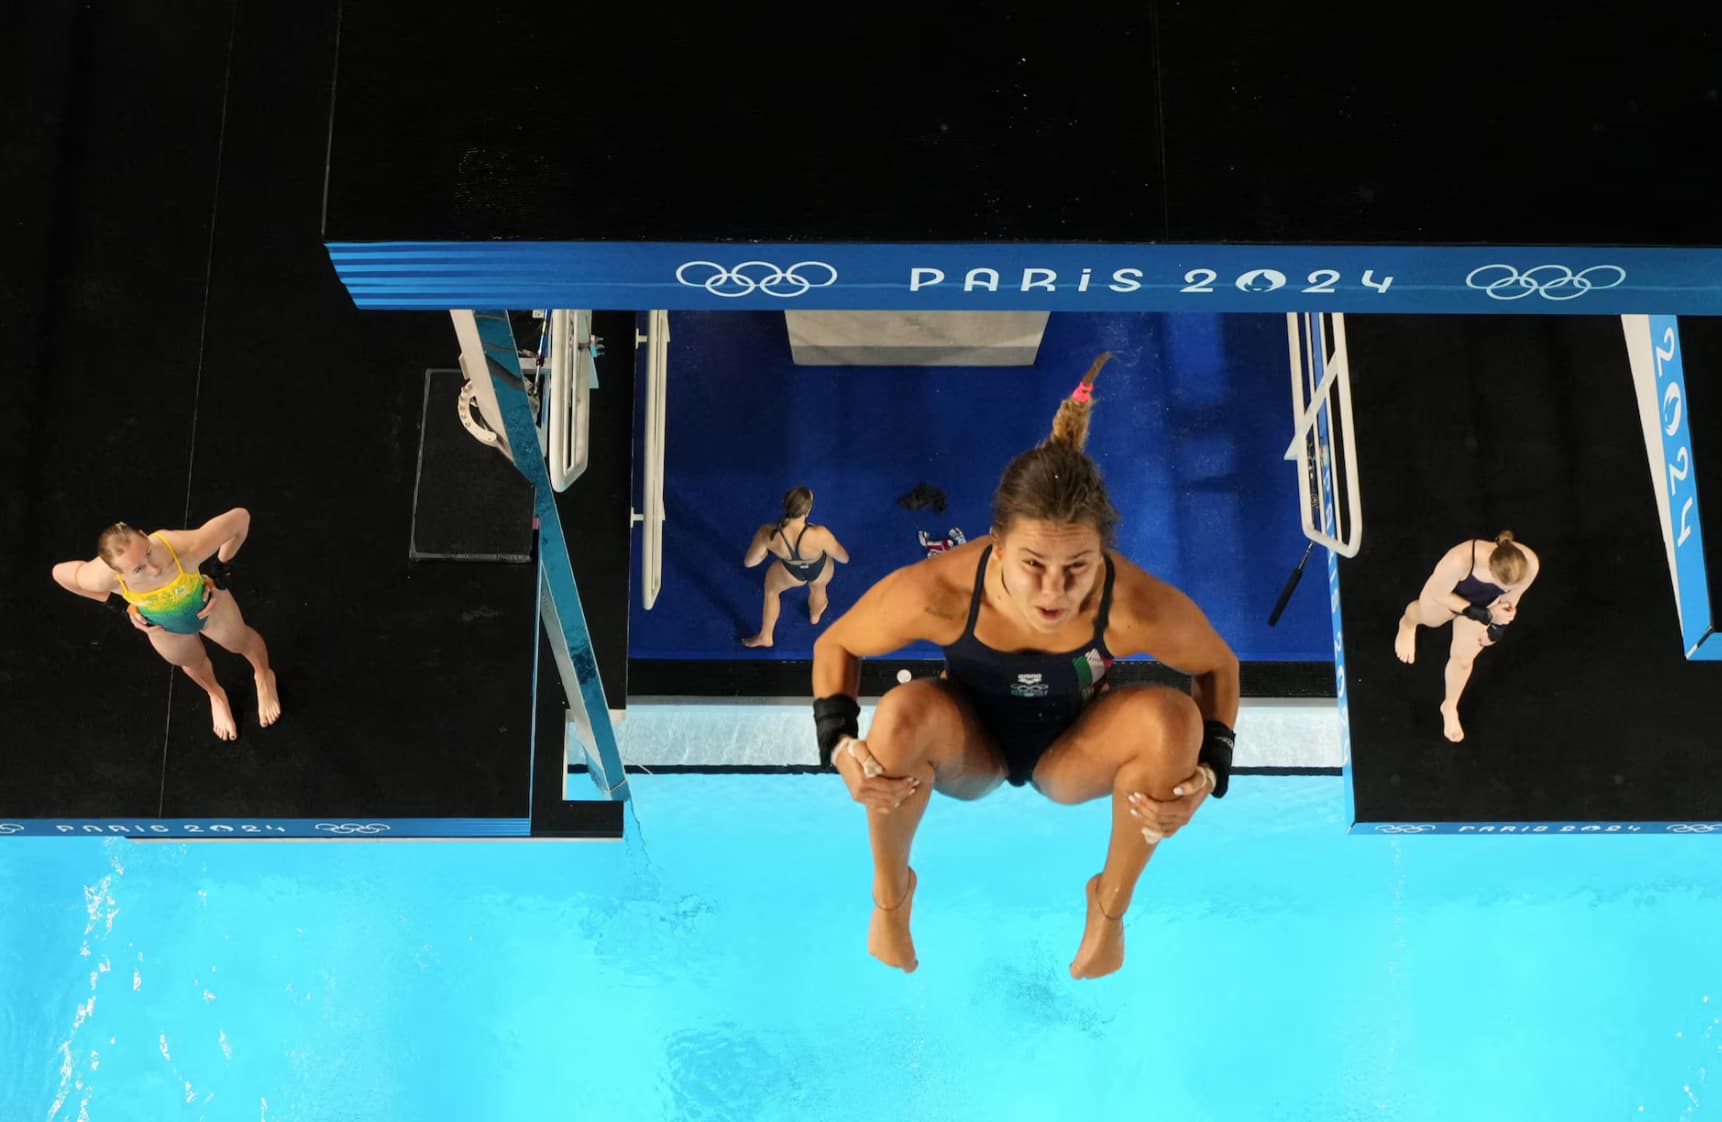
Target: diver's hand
<point>868,783</point>
<point>1161,818</point>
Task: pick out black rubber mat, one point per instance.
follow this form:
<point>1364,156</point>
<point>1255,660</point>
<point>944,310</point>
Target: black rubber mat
<point>469,502</point>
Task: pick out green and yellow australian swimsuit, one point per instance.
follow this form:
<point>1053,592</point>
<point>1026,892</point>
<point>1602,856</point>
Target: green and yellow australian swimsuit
<point>173,606</point>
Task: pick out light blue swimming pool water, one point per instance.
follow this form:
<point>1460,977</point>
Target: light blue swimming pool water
<point>713,966</point>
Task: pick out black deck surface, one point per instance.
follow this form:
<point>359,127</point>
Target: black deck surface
<point>1165,121</point>
<point>105,314</point>
<point>1587,710</point>
<point>169,375</point>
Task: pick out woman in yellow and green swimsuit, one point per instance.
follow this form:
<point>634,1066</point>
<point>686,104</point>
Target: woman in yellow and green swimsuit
<point>176,606</point>
<point>166,597</point>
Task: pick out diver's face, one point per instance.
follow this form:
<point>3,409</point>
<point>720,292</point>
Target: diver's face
<point>141,560</point>
<point>1048,569</point>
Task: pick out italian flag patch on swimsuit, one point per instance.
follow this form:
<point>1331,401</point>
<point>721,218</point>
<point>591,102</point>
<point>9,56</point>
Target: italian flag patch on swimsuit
<point>1090,669</point>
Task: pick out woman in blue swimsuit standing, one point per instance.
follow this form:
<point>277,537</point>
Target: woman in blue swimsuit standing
<point>1030,617</point>
<point>805,554</point>
<point>1478,609</point>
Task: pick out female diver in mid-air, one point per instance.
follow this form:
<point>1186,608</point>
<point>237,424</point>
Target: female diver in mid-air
<point>166,597</point>
<point>1030,617</point>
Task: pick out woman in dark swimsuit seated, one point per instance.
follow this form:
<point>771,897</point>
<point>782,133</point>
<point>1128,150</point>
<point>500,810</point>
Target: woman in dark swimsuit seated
<point>1478,609</point>
<point>804,554</point>
<point>1030,618</point>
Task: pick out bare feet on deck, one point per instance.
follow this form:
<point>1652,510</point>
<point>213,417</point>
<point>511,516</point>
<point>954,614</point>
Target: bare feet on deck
<point>1405,643</point>
<point>268,701</point>
<point>1450,723</point>
<point>1102,949</point>
<point>222,714</point>
<point>756,641</point>
<point>888,934</point>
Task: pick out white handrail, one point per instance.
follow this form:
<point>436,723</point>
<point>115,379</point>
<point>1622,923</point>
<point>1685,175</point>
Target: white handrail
<point>570,389</point>
<point>1314,377</point>
<point>652,499</point>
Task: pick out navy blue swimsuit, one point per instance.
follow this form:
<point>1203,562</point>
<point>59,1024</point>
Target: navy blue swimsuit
<point>1479,593</point>
<point>803,571</point>
<point>1026,700</point>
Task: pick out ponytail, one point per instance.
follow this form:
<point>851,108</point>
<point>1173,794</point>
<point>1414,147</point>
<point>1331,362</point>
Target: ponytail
<point>1055,481</point>
<point>1070,424</point>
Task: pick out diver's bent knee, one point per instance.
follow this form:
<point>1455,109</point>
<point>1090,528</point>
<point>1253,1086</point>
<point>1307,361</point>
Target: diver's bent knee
<point>1172,710</point>
<point>910,715</point>
<point>1168,728</point>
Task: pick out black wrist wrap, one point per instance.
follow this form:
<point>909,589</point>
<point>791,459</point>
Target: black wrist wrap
<point>834,718</point>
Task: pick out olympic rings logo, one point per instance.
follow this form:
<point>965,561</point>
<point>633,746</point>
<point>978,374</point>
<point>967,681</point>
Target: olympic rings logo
<point>1551,282</point>
<point>10,828</point>
<point>1695,828</point>
<point>1398,828</point>
<point>353,827</point>
<point>758,276</point>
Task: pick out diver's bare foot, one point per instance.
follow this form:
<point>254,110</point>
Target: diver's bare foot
<point>888,934</point>
<point>1405,643</point>
<point>1450,723</point>
<point>225,727</point>
<point>1102,949</point>
<point>268,701</point>
<point>813,614</point>
<point>757,641</point>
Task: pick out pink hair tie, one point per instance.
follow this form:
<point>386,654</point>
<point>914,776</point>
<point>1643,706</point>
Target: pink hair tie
<point>1082,392</point>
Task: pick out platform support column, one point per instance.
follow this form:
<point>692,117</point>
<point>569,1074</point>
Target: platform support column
<point>588,733</point>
